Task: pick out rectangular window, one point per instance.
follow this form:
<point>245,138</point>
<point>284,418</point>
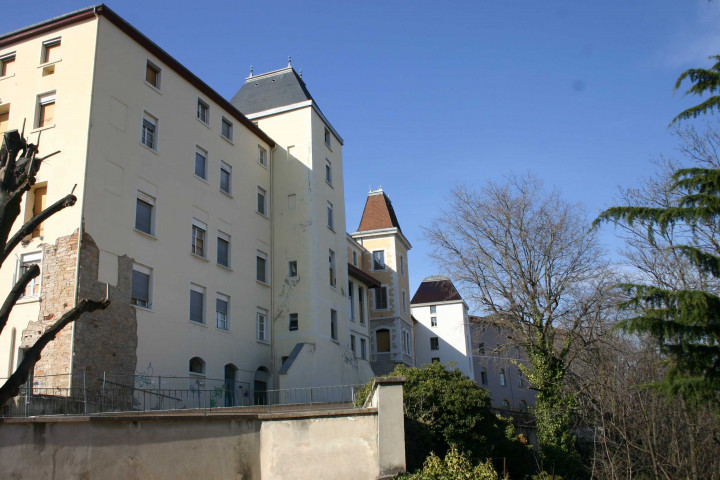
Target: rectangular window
<point>327,137</point>
<point>434,343</point>
<point>46,111</point>
<point>351,305</point>
<point>51,50</point>
<point>203,111</point>
<point>144,213</point>
<point>141,286</point>
<point>4,118</point>
<point>197,304</point>
<point>330,216</point>
<point>261,267</point>
<point>39,202</point>
<point>502,377</point>
<point>225,177</point>
<point>292,268</point>
<point>222,308</point>
<point>404,306</point>
<point>331,261</point>
<point>352,344</point>
<point>520,382</point>
<point>223,249</point>
<point>261,201</point>
<point>262,156</point>
<point>381,302</point>
<point>435,359</point>
<point>7,65</point>
<point>261,317</point>
<point>226,130</point>
<point>328,171</point>
<point>201,163</point>
<point>361,304</point>
<point>433,321</point>
<point>152,74</point>
<point>354,257</point>
<point>293,322</point>
<point>333,324</point>
<point>149,131</point>
<point>363,348</point>
<point>379,260</point>
<point>433,308</point>
<point>27,260</point>
<point>402,265</point>
<point>198,238</point>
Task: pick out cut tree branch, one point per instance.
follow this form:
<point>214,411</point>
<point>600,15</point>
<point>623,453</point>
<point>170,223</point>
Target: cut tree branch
<point>11,388</point>
<point>16,293</point>
<point>67,201</point>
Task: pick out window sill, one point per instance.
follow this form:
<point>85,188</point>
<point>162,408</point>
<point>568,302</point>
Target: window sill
<point>223,330</point>
<point>199,257</point>
<point>6,77</point>
<point>262,283</point>
<point>262,215</point>
<point>224,267</point>
<point>145,234</point>
<point>227,194</point>
<point>330,184</point>
<point>155,89</point>
<point>229,140</point>
<point>205,124</point>
<point>153,150</point>
<point>263,342</point>
<point>204,180</point>
<point>138,307</point>
<point>47,64</point>
<point>28,299</point>
<point>40,129</point>
<point>331,229</point>
<point>197,324</point>
<point>264,165</point>
<point>328,146</point>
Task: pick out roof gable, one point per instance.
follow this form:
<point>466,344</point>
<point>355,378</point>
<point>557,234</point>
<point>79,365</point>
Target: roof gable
<point>378,213</point>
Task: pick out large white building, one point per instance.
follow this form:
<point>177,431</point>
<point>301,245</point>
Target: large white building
<point>216,226</point>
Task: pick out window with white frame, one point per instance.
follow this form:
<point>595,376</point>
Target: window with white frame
<point>199,230</point>
<point>361,304</point>
<point>331,261</point>
<point>203,111</point>
<point>355,258</point>
<point>223,249</point>
<point>351,305</point>
<point>141,295</point>
<point>293,322</point>
<point>51,51</point>
<point>149,131</point>
<point>222,312</point>
<point>7,65</point>
<point>225,178</point>
<point>262,201</point>
<point>433,309</point>
<point>261,267</point>
<point>328,172</point>
<point>197,303</point>
<point>292,268</point>
<point>363,348</point>
<point>152,74</point>
<point>201,163</point>
<point>433,321</point>
<point>27,260</point>
<point>327,137</point>
<point>262,156</point>
<point>145,213</point>
<point>330,216</point>
<point>381,298</point>
<point>378,260</point>
<point>46,110</point>
<point>226,130</point>
<point>333,324</point>
<point>262,327</point>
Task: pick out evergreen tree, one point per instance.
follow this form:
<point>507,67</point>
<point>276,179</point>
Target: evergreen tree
<point>703,80</point>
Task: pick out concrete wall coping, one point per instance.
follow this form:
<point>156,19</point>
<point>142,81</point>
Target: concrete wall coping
<point>176,417</point>
<point>390,380</point>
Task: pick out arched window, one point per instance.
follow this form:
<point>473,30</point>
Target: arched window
<point>383,340</point>
<point>505,405</point>
<point>523,406</point>
<point>197,366</point>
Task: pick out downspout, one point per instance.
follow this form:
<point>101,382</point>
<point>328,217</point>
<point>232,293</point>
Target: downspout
<point>274,373</point>
<point>82,195</point>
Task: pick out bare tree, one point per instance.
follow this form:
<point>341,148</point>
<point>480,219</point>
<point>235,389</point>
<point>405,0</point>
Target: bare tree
<point>529,256</point>
<point>19,165</point>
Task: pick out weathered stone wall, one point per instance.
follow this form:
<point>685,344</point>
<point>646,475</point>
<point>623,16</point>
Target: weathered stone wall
<point>58,271</point>
<point>105,340</point>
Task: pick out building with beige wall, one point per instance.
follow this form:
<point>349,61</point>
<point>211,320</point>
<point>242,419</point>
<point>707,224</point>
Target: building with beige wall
<point>384,256</point>
<point>219,237</point>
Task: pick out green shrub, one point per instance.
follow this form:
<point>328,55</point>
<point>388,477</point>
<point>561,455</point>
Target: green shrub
<point>455,466</point>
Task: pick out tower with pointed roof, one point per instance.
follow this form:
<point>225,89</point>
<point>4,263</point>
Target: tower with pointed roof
<point>391,323</point>
<point>311,339</point>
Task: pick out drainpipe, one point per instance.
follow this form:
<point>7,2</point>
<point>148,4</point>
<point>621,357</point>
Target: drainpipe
<point>273,372</point>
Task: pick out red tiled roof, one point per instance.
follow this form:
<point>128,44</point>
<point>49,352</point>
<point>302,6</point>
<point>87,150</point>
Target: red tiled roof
<point>431,291</point>
<point>378,213</point>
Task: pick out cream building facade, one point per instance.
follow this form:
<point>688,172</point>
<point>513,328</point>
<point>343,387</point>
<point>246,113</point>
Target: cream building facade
<point>219,237</point>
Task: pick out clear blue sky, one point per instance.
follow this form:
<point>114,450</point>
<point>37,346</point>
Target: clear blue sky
<point>430,94</point>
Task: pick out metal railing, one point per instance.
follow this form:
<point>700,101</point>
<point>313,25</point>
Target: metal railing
<point>67,395</point>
